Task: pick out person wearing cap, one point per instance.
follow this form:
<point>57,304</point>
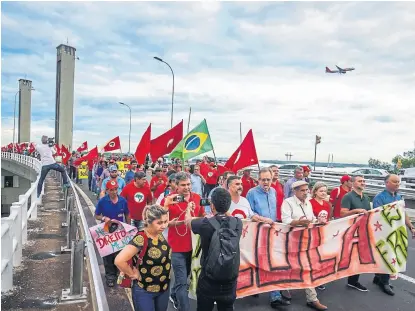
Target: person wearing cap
<point>138,195</point>
<point>129,175</point>
<point>113,176</point>
<point>298,175</point>
<point>158,182</point>
<point>111,208</point>
<point>263,201</point>
<point>337,194</point>
<point>297,211</point>
<point>247,182</point>
<point>306,170</point>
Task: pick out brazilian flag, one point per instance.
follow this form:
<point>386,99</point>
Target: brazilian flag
<point>196,142</point>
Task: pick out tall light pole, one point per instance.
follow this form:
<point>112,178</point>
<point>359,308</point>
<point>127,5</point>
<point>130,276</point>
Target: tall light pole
<point>129,135</point>
<point>172,93</point>
<point>14,116</point>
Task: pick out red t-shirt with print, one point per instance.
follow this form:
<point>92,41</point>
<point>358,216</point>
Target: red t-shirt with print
<point>321,210</point>
<point>137,199</point>
<point>180,238</point>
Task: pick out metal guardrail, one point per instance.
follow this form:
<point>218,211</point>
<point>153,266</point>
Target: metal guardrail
<point>78,240</point>
<point>14,227</point>
<point>332,180</point>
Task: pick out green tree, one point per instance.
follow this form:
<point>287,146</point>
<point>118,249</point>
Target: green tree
<point>407,159</point>
<point>375,163</point>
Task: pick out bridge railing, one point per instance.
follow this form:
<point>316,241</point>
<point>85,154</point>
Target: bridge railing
<point>14,227</point>
<point>13,238</point>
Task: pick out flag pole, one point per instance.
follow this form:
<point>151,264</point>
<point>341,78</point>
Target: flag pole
<point>188,122</point>
<point>240,132</point>
<point>213,148</point>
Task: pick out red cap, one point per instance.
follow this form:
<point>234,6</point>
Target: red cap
<point>111,184</point>
<point>345,178</point>
<point>306,168</point>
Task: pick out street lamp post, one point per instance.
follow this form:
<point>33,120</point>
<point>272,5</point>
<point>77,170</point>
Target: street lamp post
<point>172,94</point>
<point>129,135</point>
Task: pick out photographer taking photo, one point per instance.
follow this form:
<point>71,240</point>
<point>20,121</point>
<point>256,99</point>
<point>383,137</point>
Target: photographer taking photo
<point>46,152</point>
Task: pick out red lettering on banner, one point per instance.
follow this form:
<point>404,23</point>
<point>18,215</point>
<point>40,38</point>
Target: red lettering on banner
<point>245,278</point>
<point>267,274</point>
<point>320,268</point>
<point>356,235</point>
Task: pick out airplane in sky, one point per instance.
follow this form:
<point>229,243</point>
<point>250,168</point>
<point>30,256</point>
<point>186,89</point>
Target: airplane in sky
<point>339,70</point>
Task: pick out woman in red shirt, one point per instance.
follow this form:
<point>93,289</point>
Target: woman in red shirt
<point>321,207</point>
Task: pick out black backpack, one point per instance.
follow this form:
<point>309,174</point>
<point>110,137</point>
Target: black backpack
<point>222,260</point>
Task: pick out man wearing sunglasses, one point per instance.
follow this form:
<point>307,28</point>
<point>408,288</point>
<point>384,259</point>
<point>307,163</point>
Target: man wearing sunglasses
<point>263,201</point>
<point>113,177</point>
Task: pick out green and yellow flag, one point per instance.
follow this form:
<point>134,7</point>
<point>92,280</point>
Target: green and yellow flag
<point>196,142</point>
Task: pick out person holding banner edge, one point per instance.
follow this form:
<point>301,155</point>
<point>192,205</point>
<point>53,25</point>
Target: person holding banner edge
<point>297,211</point>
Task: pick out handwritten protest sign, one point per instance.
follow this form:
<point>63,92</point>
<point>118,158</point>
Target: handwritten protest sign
<point>123,167</point>
<point>83,170</point>
<point>108,243</point>
<point>283,257</point>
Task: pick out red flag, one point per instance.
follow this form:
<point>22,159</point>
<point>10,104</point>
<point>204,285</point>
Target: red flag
<point>143,147</point>
<point>244,156</point>
<point>64,152</point>
<point>113,144</point>
<point>83,147</point>
<point>91,155</point>
<point>31,148</point>
<point>58,149</point>
<point>166,142</point>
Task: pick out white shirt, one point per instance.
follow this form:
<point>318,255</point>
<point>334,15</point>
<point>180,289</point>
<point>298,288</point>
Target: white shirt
<point>160,198</point>
<point>293,209</point>
<point>46,155</point>
<point>242,209</point>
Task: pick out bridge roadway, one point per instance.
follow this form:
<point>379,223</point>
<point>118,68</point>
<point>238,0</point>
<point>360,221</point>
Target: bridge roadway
<point>336,296</point>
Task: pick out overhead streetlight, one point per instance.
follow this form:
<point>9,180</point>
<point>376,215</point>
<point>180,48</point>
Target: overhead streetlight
<point>172,94</point>
<point>129,135</point>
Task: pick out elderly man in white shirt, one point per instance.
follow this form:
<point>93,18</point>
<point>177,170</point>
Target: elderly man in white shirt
<point>297,211</point>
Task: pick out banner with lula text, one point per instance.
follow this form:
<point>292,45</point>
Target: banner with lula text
<point>284,257</point>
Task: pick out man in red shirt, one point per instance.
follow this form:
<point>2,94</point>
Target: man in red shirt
<point>138,195</point>
<point>179,237</point>
<point>158,183</point>
<point>279,189</point>
<point>90,165</point>
<point>337,194</point>
<point>247,182</point>
<point>211,178</point>
<point>204,166</point>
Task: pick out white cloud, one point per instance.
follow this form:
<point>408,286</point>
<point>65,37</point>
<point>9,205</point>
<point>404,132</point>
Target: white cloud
<point>262,65</point>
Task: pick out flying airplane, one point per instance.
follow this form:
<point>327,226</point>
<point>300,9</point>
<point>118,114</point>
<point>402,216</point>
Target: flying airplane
<point>340,70</point>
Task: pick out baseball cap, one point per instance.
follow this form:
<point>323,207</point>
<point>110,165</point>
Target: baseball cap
<point>344,178</point>
<point>298,183</point>
<point>140,175</point>
<point>158,169</point>
<point>111,184</point>
<point>306,168</point>
<point>113,168</point>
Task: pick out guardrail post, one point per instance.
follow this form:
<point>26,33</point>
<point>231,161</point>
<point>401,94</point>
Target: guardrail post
<point>76,292</point>
<point>34,202</point>
<point>16,229</point>
<point>6,257</point>
<point>72,228</point>
<point>69,206</point>
<point>24,209</point>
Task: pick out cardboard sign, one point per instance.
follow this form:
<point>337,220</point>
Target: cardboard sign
<point>284,257</point>
<point>108,243</point>
<point>83,170</point>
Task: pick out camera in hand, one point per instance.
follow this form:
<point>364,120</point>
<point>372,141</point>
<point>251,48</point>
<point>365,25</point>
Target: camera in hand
<point>51,141</point>
<point>179,198</point>
<point>204,202</point>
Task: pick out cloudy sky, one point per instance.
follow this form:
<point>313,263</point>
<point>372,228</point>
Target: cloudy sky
<point>259,63</point>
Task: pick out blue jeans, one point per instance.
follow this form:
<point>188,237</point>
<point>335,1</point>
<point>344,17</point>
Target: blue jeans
<point>148,301</point>
<point>181,268</point>
<point>45,171</point>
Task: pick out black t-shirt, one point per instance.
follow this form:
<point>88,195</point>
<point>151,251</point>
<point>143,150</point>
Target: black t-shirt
<point>203,227</point>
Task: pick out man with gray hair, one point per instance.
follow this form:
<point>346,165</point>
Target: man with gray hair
<point>298,211</point>
<point>48,163</point>
<point>298,175</point>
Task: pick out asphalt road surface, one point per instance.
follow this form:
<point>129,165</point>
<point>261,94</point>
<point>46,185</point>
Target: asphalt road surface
<point>337,295</point>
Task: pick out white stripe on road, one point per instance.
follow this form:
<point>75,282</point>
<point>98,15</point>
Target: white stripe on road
<point>406,278</point>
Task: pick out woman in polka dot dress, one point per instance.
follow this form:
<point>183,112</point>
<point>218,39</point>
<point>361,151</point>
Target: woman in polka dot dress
<point>151,278</point>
